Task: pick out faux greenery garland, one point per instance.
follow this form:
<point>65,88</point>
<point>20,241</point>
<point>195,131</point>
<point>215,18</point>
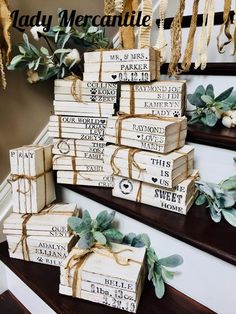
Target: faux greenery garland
<point>101,230</point>
<point>220,199</point>
<point>62,55</point>
<point>210,109</point>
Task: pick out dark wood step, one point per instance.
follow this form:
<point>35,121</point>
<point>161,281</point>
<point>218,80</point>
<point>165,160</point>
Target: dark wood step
<point>196,229</point>
<point>218,136</point>
<point>44,281</point>
<point>10,305</point>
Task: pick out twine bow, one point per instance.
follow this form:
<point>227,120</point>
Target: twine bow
<point>123,117</point>
<point>78,261</point>
<point>47,210</point>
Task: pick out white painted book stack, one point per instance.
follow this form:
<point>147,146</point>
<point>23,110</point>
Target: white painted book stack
<point>153,133</point>
<point>78,130</point>
<point>115,281</point>
<point>165,171</point>
<point>178,200</point>
<point>135,65</point>
<point>43,237</point>
<point>32,178</point>
<point>163,98</point>
<point>78,98</point>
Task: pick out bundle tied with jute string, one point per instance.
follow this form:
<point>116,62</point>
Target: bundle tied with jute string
<point>5,40</point>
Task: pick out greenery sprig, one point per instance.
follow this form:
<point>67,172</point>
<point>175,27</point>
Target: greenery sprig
<point>63,54</point>
<point>209,108</point>
<point>220,199</point>
<point>102,231</point>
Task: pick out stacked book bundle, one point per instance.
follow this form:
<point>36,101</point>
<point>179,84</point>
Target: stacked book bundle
<point>31,178</point>
<point>43,237</point>
<point>147,132</point>
<point>78,130</point>
<point>78,98</point>
<point>111,277</point>
<point>135,65</point>
<point>150,162</point>
<point>163,98</point>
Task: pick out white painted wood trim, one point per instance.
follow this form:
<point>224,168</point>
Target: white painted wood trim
<point>25,295</point>
<point>205,278</point>
<point>3,281</point>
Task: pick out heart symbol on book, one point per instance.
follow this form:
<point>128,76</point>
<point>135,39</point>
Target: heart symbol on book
<point>154,180</point>
<point>101,138</point>
<point>126,186</point>
<point>138,136</point>
<point>114,77</point>
<point>103,121</point>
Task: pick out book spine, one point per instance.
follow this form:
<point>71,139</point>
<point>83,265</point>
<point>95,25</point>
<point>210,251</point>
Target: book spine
<point>14,164</point>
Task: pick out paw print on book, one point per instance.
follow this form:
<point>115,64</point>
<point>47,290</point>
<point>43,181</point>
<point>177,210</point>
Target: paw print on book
<point>176,114</point>
<point>93,91</point>
<point>93,98</point>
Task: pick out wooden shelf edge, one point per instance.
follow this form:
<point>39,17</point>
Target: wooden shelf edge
<point>183,228</point>
<point>31,274</point>
<point>217,137</point>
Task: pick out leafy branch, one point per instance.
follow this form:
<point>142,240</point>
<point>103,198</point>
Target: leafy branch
<point>220,199</point>
<point>209,108</point>
<point>101,230</point>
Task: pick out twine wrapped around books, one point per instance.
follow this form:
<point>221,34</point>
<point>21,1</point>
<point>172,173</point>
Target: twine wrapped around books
<point>30,179</point>
<point>77,93</point>
<point>131,162</point>
<point>123,117</point>
<point>132,99</point>
<point>78,262</point>
<point>225,27</point>
<point>109,7</point>
<point>76,173</point>
<point>139,195</point>
<point>23,241</point>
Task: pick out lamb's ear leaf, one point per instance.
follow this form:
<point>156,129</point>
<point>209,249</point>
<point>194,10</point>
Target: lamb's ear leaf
<point>230,216</point>
<point>171,261</point>
<point>210,91</point>
<point>224,95</point>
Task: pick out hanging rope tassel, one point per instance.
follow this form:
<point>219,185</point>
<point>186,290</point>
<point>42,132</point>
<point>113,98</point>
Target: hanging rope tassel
<point>145,31</point>
<point>127,35</point>
<point>205,34</point>
<point>234,48</point>
<point>225,27</point>
<point>176,40</point>
<point>187,59</point>
<point>5,40</point>
<point>161,42</point>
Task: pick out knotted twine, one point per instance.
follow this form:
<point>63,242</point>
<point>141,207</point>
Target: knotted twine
<point>16,177</point>
<point>161,42</point>
<point>176,40</point>
<point>76,173</point>
<point>78,262</point>
<point>205,34</point>
<point>225,27</point>
<point>131,161</point>
<point>77,92</point>
<point>24,236</point>
<point>187,59</point>
<point>123,117</point>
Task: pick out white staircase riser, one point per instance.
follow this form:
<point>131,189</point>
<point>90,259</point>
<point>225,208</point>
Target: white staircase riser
<point>205,278</point>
